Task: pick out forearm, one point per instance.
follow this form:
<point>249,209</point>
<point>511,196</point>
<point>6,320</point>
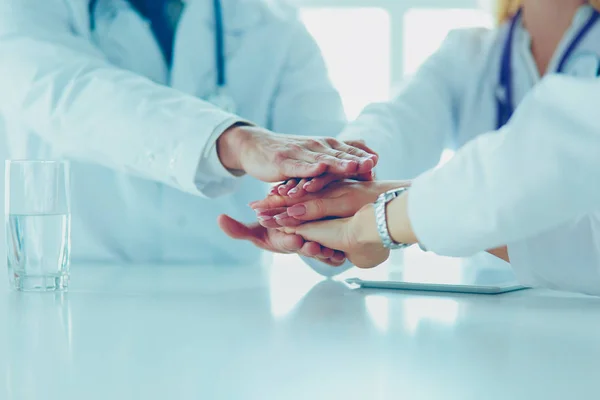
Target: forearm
<point>230,144</point>
<point>401,229</point>
<point>535,174</point>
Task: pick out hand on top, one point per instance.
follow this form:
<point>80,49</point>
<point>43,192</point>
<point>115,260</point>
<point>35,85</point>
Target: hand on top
<point>272,157</point>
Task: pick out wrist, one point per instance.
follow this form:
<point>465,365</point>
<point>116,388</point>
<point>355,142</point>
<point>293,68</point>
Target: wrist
<point>230,145</point>
<point>366,226</point>
<point>399,225</point>
<point>384,186</point>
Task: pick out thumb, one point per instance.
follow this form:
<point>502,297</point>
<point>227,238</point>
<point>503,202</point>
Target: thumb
<point>327,233</point>
<point>234,229</point>
<point>317,209</point>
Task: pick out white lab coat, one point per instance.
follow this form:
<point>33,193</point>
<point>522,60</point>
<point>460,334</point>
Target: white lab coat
<point>143,152</point>
<point>532,185</point>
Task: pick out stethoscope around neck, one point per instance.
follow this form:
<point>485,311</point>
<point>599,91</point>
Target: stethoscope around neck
<point>220,96</point>
<point>504,97</point>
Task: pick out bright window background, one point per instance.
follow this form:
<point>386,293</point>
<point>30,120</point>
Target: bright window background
<point>426,29</point>
<point>356,48</point>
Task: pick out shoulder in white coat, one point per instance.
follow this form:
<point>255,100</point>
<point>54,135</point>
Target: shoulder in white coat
<point>413,128</point>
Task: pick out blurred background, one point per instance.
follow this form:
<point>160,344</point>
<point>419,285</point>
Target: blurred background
<point>367,68</point>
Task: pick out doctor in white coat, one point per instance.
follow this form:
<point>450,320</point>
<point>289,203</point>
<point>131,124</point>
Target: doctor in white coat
<point>527,189</point>
<point>119,86</point>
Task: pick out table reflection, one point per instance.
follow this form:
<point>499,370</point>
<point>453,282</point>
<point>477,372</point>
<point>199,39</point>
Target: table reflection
<point>33,367</point>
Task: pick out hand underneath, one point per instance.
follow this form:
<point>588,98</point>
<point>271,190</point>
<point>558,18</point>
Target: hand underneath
<point>277,241</point>
<point>340,199</point>
<point>272,157</point>
<point>356,236</point>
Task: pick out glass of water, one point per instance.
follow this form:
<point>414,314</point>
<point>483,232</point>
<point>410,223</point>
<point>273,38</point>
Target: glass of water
<point>38,222</point>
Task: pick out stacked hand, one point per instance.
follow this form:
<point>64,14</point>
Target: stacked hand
<point>354,231</point>
<point>271,157</point>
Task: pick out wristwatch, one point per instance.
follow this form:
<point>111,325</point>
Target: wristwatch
<point>381,218</point>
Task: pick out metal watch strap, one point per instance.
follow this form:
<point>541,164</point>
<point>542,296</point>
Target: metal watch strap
<point>381,218</point>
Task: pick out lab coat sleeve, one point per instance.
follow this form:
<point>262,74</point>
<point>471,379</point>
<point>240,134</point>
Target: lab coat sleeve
<point>411,131</point>
<point>63,89</point>
<point>520,185</point>
<point>564,258</point>
<point>305,101</point>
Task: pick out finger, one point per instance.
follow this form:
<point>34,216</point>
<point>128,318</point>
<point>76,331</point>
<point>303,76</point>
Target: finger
<point>266,217</point>
<point>326,252</point>
<point>320,182</point>
<point>268,222</point>
<point>334,160</point>
<point>335,149</point>
<point>338,257</point>
<point>320,208</point>
<point>274,190</point>
<point>323,254</point>
<point>298,190</point>
<point>360,144</point>
<point>269,212</point>
<point>302,168</point>
<point>284,220</point>
<point>365,177</point>
<point>235,229</point>
<point>310,249</point>
<point>285,243</point>
<point>353,147</point>
<point>328,233</point>
<point>283,189</point>
<point>367,160</point>
<point>279,201</point>
<point>274,201</point>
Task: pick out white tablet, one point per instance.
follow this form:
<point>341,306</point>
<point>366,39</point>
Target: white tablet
<point>479,274</point>
<point>435,287</point>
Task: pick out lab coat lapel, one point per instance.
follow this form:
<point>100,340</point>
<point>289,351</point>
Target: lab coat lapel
<point>81,19</point>
<point>193,69</point>
<point>127,41</point>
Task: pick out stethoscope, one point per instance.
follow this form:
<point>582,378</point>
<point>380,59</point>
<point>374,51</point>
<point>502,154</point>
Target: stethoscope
<point>504,99</point>
<point>220,97</point>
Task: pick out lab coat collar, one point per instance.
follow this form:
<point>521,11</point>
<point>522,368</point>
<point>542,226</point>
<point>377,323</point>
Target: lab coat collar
<point>523,38</point>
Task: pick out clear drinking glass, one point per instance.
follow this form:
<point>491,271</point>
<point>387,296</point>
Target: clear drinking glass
<point>38,224</point>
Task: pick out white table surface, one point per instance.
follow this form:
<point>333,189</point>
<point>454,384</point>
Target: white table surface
<point>279,332</point>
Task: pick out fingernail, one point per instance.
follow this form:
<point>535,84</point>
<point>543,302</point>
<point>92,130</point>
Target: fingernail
<point>265,218</point>
<point>253,203</point>
<point>260,210</point>
<point>296,211</point>
<point>294,190</point>
<point>307,184</point>
<point>281,216</point>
